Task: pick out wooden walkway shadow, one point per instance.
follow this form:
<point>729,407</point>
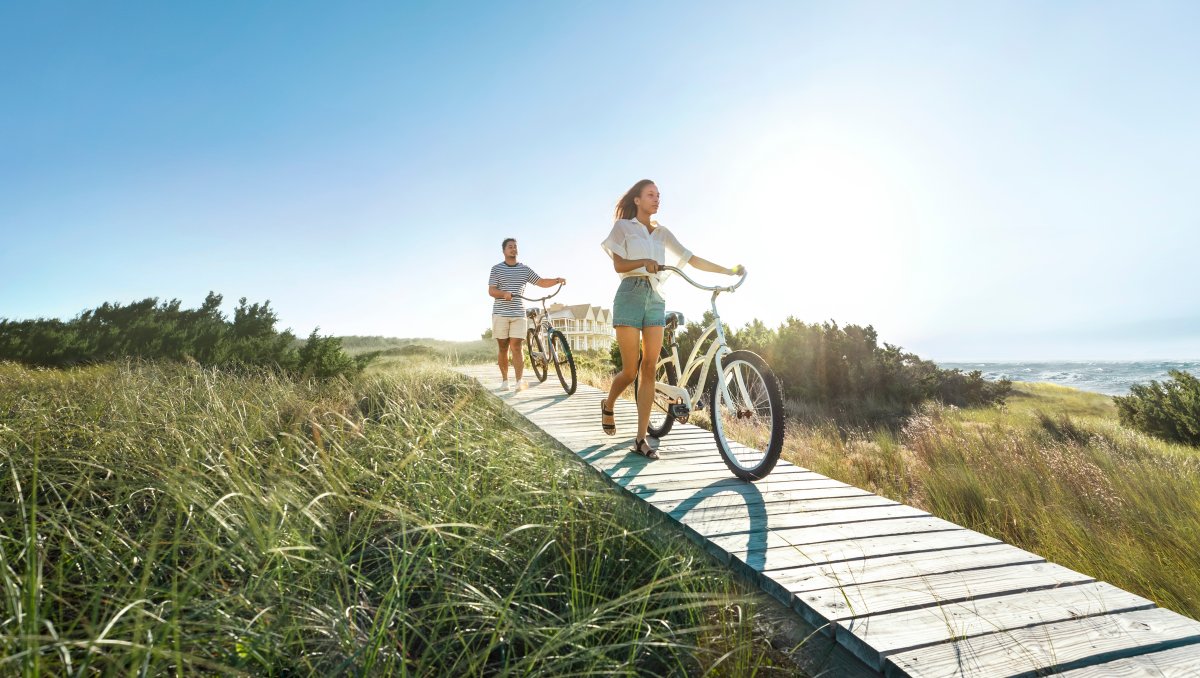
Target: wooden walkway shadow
<point>909,594</point>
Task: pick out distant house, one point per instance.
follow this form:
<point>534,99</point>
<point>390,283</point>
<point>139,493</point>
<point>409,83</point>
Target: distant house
<point>587,327</point>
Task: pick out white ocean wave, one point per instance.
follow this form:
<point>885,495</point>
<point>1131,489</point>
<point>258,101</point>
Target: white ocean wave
<point>1113,378</point>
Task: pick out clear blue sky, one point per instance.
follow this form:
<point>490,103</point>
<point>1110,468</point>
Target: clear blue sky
<point>978,180</point>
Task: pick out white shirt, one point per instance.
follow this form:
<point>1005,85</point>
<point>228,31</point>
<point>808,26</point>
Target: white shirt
<point>631,240</point>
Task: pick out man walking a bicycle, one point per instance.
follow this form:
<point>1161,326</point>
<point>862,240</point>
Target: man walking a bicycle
<point>506,283</point>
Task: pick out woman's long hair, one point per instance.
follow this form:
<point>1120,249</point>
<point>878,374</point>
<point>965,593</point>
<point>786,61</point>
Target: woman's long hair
<point>625,207</point>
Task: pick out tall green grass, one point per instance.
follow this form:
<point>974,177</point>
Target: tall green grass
<point>167,519</point>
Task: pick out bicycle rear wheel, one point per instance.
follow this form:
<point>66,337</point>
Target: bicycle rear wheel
<point>564,364</point>
<point>748,427</point>
<point>537,354</point>
<point>661,420</point>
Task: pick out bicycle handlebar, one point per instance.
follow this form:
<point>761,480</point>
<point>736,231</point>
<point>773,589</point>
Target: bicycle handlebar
<point>716,288</point>
<point>521,296</point>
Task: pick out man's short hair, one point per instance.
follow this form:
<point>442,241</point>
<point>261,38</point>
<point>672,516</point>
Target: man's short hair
<point>506,241</point>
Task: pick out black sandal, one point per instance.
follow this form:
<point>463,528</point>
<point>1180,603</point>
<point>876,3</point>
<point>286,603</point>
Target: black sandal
<point>643,448</point>
<point>609,429</point>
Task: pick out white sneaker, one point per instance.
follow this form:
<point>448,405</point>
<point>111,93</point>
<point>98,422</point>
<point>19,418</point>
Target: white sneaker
<point>504,385</point>
<point>522,385</point>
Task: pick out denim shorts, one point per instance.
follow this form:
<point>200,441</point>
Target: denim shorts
<point>638,305</point>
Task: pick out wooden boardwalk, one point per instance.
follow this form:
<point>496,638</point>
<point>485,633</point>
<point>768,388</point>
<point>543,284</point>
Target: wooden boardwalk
<point>907,593</point>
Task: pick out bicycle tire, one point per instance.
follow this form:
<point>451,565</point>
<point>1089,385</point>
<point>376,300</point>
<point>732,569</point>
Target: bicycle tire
<point>537,359</point>
<point>751,384</point>
<point>561,349</point>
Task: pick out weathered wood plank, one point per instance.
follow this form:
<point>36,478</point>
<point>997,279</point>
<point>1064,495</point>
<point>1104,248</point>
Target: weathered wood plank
<point>1180,662</point>
<point>1059,646</point>
<point>621,461</point>
<point>668,501</point>
<point>885,568</point>
<point>700,475</point>
<point>735,486</point>
<point>801,537</point>
<point>735,509</point>
<point>789,556</point>
<point>709,525</point>
<point>874,637</point>
<point>845,542</point>
<point>647,485</point>
<point>622,455</point>
<point>846,602</point>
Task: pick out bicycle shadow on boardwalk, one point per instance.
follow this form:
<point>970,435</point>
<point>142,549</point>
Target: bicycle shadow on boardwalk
<point>756,513</point>
<point>625,474</point>
<point>625,471</point>
<point>550,401</point>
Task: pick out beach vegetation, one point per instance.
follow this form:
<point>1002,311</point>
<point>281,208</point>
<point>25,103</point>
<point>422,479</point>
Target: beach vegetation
<point>1169,410</point>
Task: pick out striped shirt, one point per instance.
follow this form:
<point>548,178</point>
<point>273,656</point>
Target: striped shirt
<point>510,279</point>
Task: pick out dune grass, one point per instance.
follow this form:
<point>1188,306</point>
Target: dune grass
<point>159,519</point>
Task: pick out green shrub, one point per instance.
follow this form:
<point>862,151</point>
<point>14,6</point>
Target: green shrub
<point>594,360</point>
<point>150,330</point>
<point>1169,410</point>
<point>323,358</point>
<point>614,357</point>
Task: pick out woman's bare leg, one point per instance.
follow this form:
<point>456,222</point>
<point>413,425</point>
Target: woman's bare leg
<point>629,340</point>
<point>652,339</point>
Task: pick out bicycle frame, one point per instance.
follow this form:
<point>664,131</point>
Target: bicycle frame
<point>544,327</point>
<point>715,353</point>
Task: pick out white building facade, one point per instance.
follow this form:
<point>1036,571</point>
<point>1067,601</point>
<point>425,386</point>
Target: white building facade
<point>587,327</point>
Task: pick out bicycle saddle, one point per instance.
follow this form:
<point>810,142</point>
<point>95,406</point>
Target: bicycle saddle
<point>674,319</point>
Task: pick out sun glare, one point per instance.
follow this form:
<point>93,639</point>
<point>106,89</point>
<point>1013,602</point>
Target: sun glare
<point>837,214</point>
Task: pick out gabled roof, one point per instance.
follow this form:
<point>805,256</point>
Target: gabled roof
<point>581,312</point>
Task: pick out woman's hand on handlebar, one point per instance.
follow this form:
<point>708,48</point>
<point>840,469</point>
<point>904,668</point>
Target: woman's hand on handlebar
<point>736,270</point>
<point>651,265</point>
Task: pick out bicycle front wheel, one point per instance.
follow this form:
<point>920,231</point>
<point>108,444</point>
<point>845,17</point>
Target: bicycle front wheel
<point>748,426</point>
<point>537,354</point>
<point>564,364</point>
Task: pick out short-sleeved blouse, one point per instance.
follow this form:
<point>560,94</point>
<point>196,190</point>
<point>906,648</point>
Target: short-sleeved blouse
<point>632,240</point>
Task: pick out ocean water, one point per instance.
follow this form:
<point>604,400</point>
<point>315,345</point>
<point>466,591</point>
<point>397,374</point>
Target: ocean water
<point>1109,377</point>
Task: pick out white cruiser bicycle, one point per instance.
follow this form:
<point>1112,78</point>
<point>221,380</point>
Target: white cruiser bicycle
<point>742,395</point>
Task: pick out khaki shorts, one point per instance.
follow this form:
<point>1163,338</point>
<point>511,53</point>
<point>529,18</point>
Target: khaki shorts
<point>507,327</point>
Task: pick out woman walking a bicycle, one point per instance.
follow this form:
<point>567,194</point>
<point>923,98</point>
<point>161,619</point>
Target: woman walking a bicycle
<point>639,248</point>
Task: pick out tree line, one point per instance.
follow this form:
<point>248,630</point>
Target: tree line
<point>154,330</point>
